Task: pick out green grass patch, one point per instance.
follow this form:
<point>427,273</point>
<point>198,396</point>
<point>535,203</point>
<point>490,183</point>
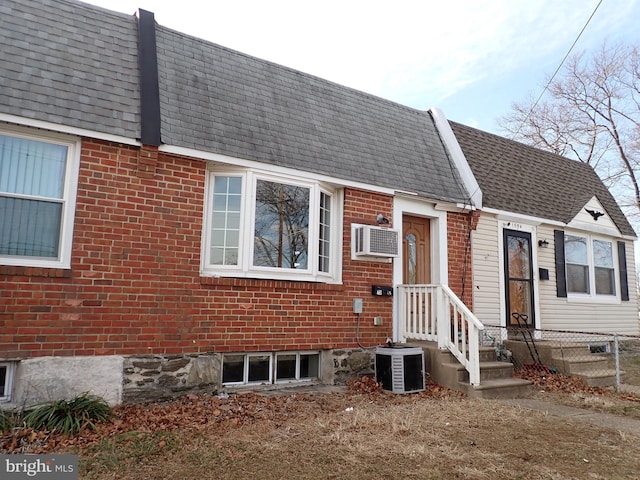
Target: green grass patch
<point>126,451</point>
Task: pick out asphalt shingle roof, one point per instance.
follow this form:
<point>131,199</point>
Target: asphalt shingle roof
<point>69,63</point>
<point>66,62</point>
<point>219,100</point>
<point>518,178</point>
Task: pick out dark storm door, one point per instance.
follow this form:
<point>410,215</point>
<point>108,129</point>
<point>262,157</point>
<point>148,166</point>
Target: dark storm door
<point>518,272</point>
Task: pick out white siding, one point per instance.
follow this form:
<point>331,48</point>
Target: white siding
<point>486,271</point>
<point>589,316</point>
<point>554,313</point>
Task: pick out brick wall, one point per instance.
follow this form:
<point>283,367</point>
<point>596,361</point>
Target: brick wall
<point>134,286</point>
<point>459,227</point>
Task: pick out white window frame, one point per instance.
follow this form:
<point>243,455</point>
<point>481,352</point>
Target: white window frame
<point>273,362</point>
<point>8,382</point>
<point>68,200</point>
<point>592,296</point>
<point>245,368</point>
<point>298,356</point>
<point>245,267</point>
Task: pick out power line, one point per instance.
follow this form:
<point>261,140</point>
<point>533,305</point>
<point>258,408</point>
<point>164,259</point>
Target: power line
<point>546,87</point>
<point>544,90</point>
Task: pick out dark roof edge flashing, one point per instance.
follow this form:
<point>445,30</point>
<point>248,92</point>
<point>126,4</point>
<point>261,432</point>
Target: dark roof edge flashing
<point>149,84</point>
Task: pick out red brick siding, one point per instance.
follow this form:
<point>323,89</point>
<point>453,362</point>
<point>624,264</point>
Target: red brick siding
<point>459,227</point>
<point>134,285</point>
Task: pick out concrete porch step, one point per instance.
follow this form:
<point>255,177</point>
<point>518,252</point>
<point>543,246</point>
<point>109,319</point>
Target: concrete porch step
<point>496,378</point>
<point>579,364</point>
<point>487,354</point>
<point>573,359</point>
<point>488,370</point>
<point>500,388</point>
<point>599,378</point>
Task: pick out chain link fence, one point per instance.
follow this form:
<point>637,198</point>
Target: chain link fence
<point>598,359</point>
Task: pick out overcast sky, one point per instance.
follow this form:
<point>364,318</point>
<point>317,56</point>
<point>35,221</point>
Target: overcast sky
<point>470,58</point>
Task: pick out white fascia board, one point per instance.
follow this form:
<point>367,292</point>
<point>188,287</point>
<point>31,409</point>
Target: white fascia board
<point>451,143</point>
<point>80,132</point>
<point>454,207</point>
<point>239,162</point>
<point>516,217</point>
<point>437,204</point>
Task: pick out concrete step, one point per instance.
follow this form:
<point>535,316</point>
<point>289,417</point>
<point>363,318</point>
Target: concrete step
<point>487,354</point>
<point>496,379</point>
<point>599,378</point>
<point>579,364</point>
<point>488,370</point>
<point>500,389</point>
<point>495,370</point>
<point>565,349</point>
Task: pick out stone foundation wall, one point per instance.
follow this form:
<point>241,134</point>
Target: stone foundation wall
<point>350,364</point>
<point>157,377</point>
<point>147,378</point>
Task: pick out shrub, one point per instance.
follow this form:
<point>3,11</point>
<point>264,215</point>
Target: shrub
<point>69,416</point>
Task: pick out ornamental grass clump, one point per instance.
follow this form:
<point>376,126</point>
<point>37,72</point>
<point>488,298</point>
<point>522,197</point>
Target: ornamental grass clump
<point>69,416</point>
<point>7,420</point>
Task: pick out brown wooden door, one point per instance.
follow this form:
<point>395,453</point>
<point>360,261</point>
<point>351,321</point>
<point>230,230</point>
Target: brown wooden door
<point>416,250</point>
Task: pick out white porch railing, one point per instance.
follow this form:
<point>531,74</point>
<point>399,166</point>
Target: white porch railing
<point>435,313</point>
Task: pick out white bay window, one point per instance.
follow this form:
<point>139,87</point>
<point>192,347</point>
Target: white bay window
<point>38,177</point>
<point>266,226</point>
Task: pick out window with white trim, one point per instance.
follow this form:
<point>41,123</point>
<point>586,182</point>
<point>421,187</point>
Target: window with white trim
<point>590,266</point>
<point>6,380</point>
<point>266,226</point>
<point>296,366</point>
<point>267,368</point>
<point>38,181</point>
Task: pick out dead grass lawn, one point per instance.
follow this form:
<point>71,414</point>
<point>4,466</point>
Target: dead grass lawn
<point>347,436</point>
<point>362,434</point>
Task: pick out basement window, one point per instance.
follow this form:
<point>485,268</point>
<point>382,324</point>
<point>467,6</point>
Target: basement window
<point>6,381</point>
<point>297,366</point>
<point>269,368</point>
<point>246,368</point>
<point>600,348</point>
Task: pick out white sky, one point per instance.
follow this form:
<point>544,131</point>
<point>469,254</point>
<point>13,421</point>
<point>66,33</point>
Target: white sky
<point>470,58</point>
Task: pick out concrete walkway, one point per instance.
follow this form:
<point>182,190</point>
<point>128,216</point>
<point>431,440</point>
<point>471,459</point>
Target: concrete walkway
<point>606,420</point>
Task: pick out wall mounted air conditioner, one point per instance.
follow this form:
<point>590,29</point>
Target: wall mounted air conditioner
<point>374,241</point>
<point>400,369</point>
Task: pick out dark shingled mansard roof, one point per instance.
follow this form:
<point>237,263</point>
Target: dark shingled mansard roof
<point>73,64</point>
<point>518,178</point>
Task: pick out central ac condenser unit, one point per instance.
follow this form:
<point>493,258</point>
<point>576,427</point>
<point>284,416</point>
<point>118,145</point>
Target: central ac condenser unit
<point>400,369</point>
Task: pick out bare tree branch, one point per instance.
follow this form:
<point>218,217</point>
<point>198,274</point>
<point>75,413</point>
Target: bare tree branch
<point>592,114</point>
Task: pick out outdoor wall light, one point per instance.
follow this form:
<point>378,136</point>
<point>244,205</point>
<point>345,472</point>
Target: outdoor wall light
<point>543,243</point>
<point>382,219</point>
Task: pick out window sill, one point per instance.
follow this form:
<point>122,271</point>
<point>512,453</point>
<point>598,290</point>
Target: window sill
<point>254,282</point>
<point>19,271</point>
<point>599,299</point>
